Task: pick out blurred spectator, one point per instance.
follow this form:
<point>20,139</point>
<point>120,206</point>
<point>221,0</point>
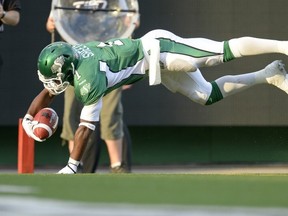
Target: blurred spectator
<point>9,15</point>
<point>112,129</point>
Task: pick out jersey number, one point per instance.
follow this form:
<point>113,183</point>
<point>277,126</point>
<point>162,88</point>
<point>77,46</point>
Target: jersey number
<point>75,72</point>
<point>111,43</point>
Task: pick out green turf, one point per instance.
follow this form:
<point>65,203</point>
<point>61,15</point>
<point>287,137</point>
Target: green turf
<point>186,189</point>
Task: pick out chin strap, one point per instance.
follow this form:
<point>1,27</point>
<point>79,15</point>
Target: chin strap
<point>54,85</point>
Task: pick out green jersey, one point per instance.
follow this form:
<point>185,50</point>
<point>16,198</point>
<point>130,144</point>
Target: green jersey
<point>103,67</point>
<point>170,59</point>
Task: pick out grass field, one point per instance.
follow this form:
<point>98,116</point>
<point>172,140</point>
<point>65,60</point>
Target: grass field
<point>237,190</point>
<point>267,193</point>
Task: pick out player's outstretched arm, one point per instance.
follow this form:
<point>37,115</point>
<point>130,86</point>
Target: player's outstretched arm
<point>70,168</point>
<point>81,138</point>
<point>43,99</point>
<point>86,127</point>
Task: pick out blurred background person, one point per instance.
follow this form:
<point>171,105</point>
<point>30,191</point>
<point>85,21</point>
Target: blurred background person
<point>111,129</point>
<point>9,15</point>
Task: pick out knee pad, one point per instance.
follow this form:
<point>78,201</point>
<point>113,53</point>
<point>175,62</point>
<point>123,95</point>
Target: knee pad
<point>199,97</point>
<point>191,85</point>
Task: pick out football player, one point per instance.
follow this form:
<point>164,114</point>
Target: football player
<point>96,68</point>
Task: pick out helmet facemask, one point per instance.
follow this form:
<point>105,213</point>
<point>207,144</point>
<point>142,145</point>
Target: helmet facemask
<point>56,66</point>
<point>59,82</point>
<point>54,85</point>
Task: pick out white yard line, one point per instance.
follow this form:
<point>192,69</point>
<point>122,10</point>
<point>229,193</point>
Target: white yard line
<point>29,206</point>
<point>14,189</point>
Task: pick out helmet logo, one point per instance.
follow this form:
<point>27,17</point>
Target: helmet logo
<point>58,63</point>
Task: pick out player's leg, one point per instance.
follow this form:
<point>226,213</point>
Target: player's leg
<point>127,149</point>
<point>188,54</point>
<point>72,110</point>
<point>111,120</point>
<point>181,54</point>
<point>67,133</point>
<point>274,74</point>
<point>194,86</point>
<point>247,46</point>
<point>111,125</point>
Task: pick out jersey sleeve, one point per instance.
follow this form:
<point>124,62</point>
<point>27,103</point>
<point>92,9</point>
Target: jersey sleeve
<point>92,112</point>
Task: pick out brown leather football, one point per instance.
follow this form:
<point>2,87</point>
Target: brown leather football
<point>47,122</point>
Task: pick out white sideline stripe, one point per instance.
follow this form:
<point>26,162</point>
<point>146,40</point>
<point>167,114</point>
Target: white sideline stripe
<point>13,189</point>
<point>30,206</point>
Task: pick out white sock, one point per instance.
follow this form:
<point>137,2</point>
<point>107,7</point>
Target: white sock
<point>117,164</point>
<point>247,46</point>
<point>230,85</point>
<point>283,47</point>
<point>271,74</point>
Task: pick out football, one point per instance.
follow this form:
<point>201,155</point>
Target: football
<point>46,123</point>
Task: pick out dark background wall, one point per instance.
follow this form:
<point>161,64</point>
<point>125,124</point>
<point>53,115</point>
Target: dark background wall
<point>218,20</point>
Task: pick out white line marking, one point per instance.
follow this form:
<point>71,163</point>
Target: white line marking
<point>30,206</point>
<point>14,189</point>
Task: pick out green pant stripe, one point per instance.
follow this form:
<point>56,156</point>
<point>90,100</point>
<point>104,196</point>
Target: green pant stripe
<point>228,55</point>
<point>170,46</point>
<point>215,95</point>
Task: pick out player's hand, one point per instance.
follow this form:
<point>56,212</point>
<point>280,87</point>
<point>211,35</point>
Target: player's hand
<point>70,168</point>
<point>28,125</point>
<point>50,24</point>
<point>67,170</point>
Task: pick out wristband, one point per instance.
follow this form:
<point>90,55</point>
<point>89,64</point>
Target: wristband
<point>74,162</point>
<point>28,116</point>
<point>88,125</point>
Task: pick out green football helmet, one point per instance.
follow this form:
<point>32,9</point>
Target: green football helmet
<point>56,65</point>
